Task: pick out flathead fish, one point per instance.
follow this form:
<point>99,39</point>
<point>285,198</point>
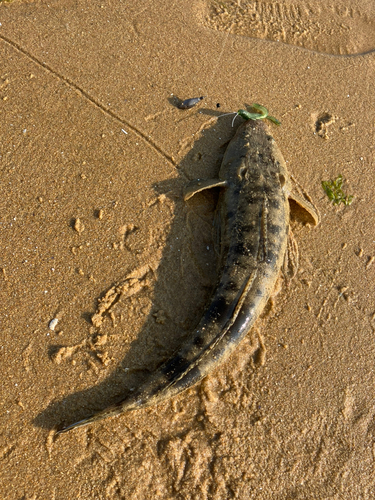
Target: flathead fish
<point>253,215</point>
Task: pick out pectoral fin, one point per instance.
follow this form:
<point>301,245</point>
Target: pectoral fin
<point>199,185</point>
<point>291,258</point>
<point>304,202</point>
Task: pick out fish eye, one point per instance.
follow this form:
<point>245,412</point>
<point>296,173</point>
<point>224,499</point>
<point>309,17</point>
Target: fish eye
<point>242,172</point>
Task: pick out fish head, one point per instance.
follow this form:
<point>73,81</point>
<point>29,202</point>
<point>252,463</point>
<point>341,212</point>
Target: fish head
<point>253,152</point>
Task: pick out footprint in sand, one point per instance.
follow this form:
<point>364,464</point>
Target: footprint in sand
<point>342,28</point>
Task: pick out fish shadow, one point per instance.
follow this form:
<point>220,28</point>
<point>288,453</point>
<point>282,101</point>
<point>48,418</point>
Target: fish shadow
<point>185,279</point>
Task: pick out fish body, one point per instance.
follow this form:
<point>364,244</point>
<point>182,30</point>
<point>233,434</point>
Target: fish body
<point>253,211</point>
<point>190,103</point>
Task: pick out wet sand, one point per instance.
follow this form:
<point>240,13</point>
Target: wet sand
<point>94,154</point>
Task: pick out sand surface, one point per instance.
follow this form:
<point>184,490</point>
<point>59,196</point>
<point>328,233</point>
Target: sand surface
<point>94,155</point>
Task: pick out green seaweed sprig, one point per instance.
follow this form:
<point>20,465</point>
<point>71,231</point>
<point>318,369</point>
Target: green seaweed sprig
<point>334,192</point>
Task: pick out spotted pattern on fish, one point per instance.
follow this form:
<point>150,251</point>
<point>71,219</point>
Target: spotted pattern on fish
<point>254,209</point>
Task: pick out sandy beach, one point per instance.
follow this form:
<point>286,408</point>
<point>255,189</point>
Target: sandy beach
<point>97,239</point>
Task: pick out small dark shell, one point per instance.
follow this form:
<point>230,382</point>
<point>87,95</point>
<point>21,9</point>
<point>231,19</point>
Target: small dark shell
<point>189,103</point>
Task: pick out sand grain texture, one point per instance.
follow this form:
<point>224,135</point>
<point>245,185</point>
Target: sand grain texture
<point>90,133</point>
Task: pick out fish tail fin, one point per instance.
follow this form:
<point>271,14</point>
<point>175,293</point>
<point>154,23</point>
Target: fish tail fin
<point>111,411</point>
<point>75,425</point>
